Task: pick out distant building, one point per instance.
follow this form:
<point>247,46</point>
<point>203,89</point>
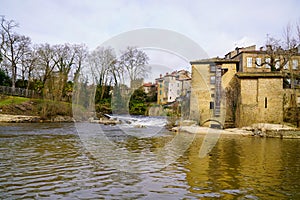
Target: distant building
<point>149,88</point>
<point>243,89</point>
<point>172,86</point>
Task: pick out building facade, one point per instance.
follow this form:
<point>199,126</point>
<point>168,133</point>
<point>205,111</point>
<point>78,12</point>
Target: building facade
<point>247,86</point>
<point>209,78</point>
<point>172,86</point>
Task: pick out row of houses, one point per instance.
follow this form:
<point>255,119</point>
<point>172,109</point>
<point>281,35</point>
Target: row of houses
<point>170,87</point>
<point>173,86</point>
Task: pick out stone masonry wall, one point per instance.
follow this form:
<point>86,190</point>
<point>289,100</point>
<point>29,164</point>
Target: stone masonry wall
<point>261,101</point>
<point>247,106</point>
<point>270,100</point>
<point>200,93</point>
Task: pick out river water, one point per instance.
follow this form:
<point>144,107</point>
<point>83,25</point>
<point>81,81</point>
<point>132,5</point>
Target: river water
<point>51,161</point>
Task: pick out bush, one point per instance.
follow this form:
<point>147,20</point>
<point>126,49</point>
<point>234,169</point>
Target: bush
<point>50,109</point>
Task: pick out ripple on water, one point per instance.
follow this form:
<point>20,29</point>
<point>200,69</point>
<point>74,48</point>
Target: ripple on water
<point>51,162</point>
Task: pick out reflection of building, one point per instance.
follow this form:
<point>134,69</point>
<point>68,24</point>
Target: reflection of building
<point>245,87</point>
<point>172,86</point>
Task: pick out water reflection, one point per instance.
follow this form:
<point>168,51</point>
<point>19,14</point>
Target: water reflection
<point>49,160</point>
<point>246,167</point>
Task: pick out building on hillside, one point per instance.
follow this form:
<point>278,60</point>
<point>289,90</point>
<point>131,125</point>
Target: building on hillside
<point>172,86</point>
<point>242,88</point>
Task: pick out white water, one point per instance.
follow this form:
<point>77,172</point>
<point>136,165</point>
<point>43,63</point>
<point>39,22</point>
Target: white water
<point>141,126</point>
<point>141,121</point>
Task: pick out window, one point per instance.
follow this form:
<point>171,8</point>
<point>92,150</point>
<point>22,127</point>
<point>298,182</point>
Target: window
<point>286,66</point>
<point>295,64</point>
<point>212,68</point>
<point>213,80</point>
<point>160,85</point>
<point>160,92</point>
<point>266,102</point>
<point>268,60</point>
<point>249,62</point>
<point>277,63</point>
<point>211,105</point>
<point>258,62</point>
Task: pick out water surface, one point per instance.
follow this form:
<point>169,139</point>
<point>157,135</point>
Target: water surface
<point>50,161</point>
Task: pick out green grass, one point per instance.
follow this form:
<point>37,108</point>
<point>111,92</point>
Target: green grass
<point>12,100</point>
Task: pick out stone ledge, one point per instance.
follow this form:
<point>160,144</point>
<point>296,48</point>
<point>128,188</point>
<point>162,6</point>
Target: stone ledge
<point>18,118</point>
<point>259,75</point>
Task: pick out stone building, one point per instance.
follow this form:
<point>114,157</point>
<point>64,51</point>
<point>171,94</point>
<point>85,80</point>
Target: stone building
<point>260,98</point>
<point>209,78</point>
<point>242,89</point>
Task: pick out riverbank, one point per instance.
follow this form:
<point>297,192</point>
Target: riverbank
<point>20,109</point>
<point>258,130</point>
<point>18,118</point>
<point>5,118</point>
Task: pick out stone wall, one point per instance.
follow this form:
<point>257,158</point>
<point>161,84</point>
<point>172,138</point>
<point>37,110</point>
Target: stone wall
<point>254,68</point>
<point>200,93</point>
<point>261,100</point>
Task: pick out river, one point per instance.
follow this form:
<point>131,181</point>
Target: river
<point>51,161</point>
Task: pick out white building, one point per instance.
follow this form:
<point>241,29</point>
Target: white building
<point>172,86</point>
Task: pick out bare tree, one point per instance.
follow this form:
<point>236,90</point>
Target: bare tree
<point>65,58</point>
<point>29,63</point>
<point>46,64</point>
<point>102,61</point>
<point>134,61</point>
<point>280,51</point>
<point>81,54</point>
<point>13,47</point>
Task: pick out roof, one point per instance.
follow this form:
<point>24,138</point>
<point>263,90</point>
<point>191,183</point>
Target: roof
<point>149,85</point>
<point>216,60</point>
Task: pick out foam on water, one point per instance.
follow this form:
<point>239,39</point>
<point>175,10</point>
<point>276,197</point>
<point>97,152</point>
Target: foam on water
<point>133,121</point>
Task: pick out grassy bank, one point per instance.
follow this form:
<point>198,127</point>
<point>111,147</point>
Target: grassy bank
<point>46,109</point>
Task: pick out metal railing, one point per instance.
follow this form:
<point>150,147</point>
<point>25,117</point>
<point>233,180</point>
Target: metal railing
<point>22,92</point>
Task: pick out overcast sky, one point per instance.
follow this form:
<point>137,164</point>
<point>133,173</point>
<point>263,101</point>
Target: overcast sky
<point>217,26</point>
